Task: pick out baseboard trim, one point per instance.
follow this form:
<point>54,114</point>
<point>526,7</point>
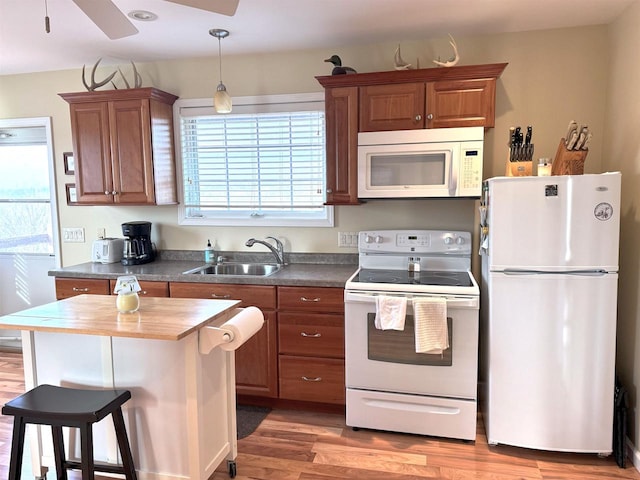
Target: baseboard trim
<point>633,454</point>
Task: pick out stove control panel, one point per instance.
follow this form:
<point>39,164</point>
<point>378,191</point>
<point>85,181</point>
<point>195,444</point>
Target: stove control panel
<point>414,241</point>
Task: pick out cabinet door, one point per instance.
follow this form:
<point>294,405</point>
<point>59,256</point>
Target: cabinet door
<point>341,116</point>
<point>257,359</point>
<point>315,334</point>
<point>257,362</point>
<point>131,153</point>
<point>461,103</point>
<point>92,149</point>
<point>397,106</point>
<point>312,379</point>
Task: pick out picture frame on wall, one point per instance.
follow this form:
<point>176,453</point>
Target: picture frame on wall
<point>72,195</point>
<point>69,164</point>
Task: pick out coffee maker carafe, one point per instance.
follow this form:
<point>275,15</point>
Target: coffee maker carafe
<point>138,248</point>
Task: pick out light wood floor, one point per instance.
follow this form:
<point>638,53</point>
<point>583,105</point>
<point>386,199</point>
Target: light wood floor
<point>292,445</point>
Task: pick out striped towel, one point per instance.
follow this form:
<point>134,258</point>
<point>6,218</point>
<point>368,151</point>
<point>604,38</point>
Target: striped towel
<point>430,318</point>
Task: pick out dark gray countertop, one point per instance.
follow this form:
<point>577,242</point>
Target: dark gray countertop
<point>170,268</point>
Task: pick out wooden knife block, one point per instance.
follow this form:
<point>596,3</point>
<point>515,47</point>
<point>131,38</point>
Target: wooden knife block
<point>568,162</point>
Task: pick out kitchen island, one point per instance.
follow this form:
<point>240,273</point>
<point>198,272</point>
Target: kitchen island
<point>181,418</point>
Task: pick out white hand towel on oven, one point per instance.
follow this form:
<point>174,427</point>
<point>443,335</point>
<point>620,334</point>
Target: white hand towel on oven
<point>390,312</point>
<point>430,319</point>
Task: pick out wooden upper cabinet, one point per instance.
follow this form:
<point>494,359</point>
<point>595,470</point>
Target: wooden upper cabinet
<point>341,114</point>
<point>392,107</point>
<point>461,103</point>
<point>123,146</point>
<point>460,96</point>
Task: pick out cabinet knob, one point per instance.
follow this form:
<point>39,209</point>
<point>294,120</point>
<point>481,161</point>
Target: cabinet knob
<point>107,192</point>
<point>430,116</point>
<point>329,190</point>
<point>114,193</point>
<point>418,117</point>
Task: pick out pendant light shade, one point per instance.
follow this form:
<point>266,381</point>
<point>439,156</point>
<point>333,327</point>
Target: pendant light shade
<point>221,99</point>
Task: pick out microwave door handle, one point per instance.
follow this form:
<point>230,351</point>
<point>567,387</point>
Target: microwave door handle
<point>453,175</point>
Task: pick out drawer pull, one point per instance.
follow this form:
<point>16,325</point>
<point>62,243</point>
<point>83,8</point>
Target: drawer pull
<point>310,335</point>
<point>307,379</point>
<point>143,292</point>
<point>305,299</point>
<point>215,295</point>
<point>76,289</point>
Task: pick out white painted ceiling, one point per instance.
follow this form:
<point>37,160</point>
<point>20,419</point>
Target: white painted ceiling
<point>262,26</point>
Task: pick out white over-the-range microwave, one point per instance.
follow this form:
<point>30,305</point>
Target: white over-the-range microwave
<point>436,162</point>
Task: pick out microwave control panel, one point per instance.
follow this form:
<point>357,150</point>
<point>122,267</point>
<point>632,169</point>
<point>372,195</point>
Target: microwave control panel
<point>470,172</point>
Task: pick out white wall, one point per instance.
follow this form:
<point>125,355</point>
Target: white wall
<point>538,88</point>
<point>622,152</point>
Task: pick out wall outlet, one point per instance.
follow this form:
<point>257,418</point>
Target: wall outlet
<point>101,233</point>
<point>348,239</point>
<point>73,235</point>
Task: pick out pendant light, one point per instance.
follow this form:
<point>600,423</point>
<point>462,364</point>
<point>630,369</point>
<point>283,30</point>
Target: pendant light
<point>221,100</point>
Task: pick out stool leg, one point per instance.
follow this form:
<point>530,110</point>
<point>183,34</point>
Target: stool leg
<point>17,448</point>
<point>123,444</point>
<point>86,451</point>
<point>58,452</point>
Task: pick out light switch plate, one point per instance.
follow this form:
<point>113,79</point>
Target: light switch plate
<point>73,235</point>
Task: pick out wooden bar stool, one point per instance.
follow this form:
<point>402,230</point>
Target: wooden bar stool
<point>70,407</point>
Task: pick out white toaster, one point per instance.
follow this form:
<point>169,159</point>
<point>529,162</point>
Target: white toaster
<point>107,250</point>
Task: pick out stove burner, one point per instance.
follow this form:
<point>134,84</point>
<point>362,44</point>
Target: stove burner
<point>454,279</point>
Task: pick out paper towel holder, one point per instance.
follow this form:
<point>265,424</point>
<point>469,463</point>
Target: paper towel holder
<point>210,337</point>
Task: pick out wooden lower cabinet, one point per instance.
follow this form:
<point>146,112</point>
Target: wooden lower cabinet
<point>313,379</point>
<point>311,344</point>
<point>70,287</point>
<point>257,359</point>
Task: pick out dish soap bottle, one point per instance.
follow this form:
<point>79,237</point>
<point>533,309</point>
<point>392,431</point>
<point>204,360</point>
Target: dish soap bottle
<point>209,253</point>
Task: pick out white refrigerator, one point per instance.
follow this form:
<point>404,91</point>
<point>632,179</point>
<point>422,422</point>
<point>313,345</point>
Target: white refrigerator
<point>549,249</point>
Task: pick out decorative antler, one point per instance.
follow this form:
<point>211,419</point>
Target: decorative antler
<point>137,78</point>
<point>452,61</point>
<point>398,62</point>
<point>95,85</point>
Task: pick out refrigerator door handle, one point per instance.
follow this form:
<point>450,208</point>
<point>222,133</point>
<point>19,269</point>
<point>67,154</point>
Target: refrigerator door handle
<point>587,273</point>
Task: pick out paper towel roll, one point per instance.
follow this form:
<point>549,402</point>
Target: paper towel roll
<point>242,326</point>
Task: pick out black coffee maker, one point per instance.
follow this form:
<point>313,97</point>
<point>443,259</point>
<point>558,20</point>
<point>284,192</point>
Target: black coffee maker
<point>138,248</point>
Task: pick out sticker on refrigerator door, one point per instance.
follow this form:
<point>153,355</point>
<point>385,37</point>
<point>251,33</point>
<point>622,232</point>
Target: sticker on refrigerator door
<point>551,190</point>
<point>603,211</point>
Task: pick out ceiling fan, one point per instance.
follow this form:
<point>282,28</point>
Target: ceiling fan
<point>108,17</point>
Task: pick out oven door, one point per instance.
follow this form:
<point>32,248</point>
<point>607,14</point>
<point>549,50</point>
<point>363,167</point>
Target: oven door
<point>385,360</point>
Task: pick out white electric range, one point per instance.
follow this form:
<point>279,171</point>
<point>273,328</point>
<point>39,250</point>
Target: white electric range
<point>389,385</point>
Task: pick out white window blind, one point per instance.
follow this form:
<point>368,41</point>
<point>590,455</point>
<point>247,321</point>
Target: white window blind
<point>263,164</point>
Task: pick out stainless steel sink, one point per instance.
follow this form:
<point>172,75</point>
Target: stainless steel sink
<point>253,269</point>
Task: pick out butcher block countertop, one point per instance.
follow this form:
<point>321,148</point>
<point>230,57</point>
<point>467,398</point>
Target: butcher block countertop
<point>157,318</point>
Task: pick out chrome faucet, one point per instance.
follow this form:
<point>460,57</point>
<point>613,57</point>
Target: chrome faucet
<point>278,250</point>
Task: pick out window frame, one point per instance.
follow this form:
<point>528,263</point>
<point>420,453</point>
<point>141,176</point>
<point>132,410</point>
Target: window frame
<point>204,106</point>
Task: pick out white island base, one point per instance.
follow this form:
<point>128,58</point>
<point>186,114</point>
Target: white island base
<point>181,418</point>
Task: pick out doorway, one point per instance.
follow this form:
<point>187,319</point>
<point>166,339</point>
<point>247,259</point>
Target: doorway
<point>29,238</point>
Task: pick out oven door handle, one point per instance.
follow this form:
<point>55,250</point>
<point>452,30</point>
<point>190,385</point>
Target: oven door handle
<point>457,301</point>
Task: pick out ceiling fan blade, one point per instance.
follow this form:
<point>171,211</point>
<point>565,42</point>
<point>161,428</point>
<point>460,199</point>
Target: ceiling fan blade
<point>224,7</point>
<point>107,17</point>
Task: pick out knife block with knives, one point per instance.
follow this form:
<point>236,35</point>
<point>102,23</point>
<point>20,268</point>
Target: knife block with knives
<point>568,162</point>
<point>520,161</point>
<point>572,151</point>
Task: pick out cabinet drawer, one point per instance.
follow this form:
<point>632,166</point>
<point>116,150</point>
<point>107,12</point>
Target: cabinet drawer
<point>311,299</point>
<point>312,379</point>
<point>261,296</point>
<point>70,287</point>
<point>149,288</point>
<point>311,335</point>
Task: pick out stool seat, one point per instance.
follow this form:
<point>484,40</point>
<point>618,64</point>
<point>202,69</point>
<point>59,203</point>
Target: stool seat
<point>70,407</point>
<point>51,403</point>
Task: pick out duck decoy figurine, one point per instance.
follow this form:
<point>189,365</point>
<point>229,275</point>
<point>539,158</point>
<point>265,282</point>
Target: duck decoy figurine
<point>338,69</point>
